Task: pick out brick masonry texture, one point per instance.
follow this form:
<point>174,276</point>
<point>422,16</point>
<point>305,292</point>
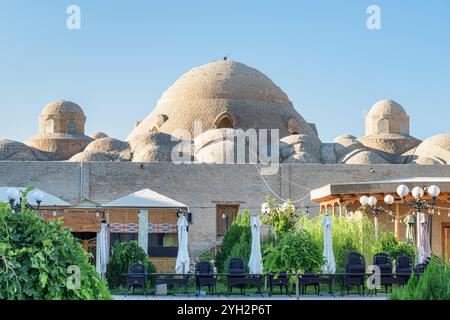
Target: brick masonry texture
<point>200,186</point>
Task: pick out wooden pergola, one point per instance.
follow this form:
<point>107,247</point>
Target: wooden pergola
<point>343,199</point>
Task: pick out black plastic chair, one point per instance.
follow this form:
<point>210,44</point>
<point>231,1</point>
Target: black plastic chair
<point>136,277</point>
<point>308,279</point>
<point>420,269</point>
<point>403,268</point>
<point>355,268</point>
<point>204,277</point>
<point>236,267</point>
<point>384,262</point>
<point>281,280</point>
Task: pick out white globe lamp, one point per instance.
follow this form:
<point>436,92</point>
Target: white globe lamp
<point>434,191</point>
<point>389,199</point>
<point>402,191</point>
<point>417,192</point>
<point>38,196</point>
<point>12,194</point>
<point>372,201</point>
<point>364,200</point>
<point>265,208</point>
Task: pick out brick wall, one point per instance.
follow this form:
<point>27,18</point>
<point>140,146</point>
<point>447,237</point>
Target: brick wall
<point>200,186</point>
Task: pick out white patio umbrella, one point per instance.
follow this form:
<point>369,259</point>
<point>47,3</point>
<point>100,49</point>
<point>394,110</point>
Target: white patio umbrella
<point>330,265</point>
<point>182,263</point>
<point>255,262</point>
<point>104,250</point>
<point>423,239</point>
<point>410,222</point>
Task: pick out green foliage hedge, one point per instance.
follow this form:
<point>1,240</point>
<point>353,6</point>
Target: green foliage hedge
<point>434,284</point>
<point>388,244</point>
<point>34,259</point>
<point>349,234</point>
<point>294,252</point>
<point>237,242</point>
<point>124,255</point>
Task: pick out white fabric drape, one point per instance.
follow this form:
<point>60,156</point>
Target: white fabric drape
<point>423,239</point>
<point>183,261</point>
<point>102,250</point>
<point>143,230</point>
<point>255,262</point>
<point>330,264</point>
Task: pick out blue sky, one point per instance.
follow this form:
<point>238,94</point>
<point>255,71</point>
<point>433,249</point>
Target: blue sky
<point>319,52</point>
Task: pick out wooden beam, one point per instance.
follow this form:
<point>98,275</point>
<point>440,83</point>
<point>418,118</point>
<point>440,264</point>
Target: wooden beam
<point>397,222</point>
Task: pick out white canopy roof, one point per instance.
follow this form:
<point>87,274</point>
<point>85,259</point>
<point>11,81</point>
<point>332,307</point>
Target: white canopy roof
<point>49,200</point>
<point>145,199</point>
<point>87,204</point>
<point>377,186</point>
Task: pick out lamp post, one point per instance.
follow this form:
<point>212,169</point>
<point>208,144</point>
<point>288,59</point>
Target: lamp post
<point>15,200</point>
<point>371,207</point>
<point>419,205</point>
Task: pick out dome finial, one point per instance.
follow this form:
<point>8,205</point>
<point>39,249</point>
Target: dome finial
<point>225,58</point>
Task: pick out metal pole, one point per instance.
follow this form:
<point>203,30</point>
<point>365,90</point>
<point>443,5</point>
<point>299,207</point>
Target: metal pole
<point>377,228</point>
<point>418,234</point>
<point>430,226</point>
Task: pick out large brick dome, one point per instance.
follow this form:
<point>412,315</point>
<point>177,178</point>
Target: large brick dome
<point>223,94</point>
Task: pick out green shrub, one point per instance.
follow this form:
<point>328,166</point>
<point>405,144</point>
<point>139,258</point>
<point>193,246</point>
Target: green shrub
<point>405,249</point>
<point>294,252</point>
<point>341,250</point>
<point>206,256</point>
<point>237,242</point>
<point>35,260</point>
<point>434,284</point>
<point>282,220</point>
<point>388,243</point>
<point>348,233</point>
<point>124,255</point>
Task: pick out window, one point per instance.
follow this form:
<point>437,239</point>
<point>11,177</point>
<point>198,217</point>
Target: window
<point>72,127</point>
<point>49,126</point>
<point>383,126</point>
<point>123,237</point>
<point>225,120</point>
<point>163,245</point>
<point>225,123</point>
<point>403,128</point>
<point>225,215</point>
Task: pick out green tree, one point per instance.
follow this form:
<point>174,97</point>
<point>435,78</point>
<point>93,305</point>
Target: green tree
<point>283,218</point>
<point>294,253</point>
<point>124,255</point>
<point>237,241</point>
<point>36,258</point>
